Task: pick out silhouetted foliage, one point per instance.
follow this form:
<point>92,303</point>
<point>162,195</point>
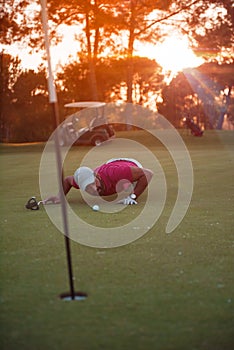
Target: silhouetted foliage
<point>111,78</point>
<point>203,94</point>
<point>25,111</point>
<point>212,32</point>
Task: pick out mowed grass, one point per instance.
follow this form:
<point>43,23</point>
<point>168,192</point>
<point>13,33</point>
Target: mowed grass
<point>163,291</point>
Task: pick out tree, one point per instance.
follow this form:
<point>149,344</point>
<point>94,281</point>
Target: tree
<point>111,79</point>
<point>9,72</point>
<point>210,25</point>
<point>95,19</point>
<point>99,21</point>
<point>99,24</point>
<point>74,84</point>
<point>132,17</point>
<point>24,114</point>
<point>32,117</point>
<point>203,94</point>
<point>103,19</point>
<point>16,23</point>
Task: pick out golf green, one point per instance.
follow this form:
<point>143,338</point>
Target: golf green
<point>162,291</point>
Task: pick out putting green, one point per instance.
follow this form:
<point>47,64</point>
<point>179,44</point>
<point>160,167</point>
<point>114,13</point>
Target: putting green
<point>164,291</point>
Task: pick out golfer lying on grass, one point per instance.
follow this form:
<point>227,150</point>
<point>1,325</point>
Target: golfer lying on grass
<point>114,176</point>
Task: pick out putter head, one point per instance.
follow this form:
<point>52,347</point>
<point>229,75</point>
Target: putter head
<point>32,204</point>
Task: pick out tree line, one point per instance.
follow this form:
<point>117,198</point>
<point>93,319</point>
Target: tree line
<point>204,93</point>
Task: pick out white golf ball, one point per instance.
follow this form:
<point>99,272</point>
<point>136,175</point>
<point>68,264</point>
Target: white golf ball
<point>96,207</point>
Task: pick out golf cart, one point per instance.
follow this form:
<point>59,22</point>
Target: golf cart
<point>87,125</point>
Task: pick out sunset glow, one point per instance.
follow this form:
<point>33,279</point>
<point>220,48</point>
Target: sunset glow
<point>173,54</point>
<point>61,54</point>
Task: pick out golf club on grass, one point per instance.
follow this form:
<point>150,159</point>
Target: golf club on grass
<point>33,204</point>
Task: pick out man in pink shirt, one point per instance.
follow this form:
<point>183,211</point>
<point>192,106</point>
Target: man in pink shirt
<point>114,176</point>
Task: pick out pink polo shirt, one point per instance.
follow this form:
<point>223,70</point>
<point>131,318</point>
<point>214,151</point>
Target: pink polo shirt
<point>116,172</point>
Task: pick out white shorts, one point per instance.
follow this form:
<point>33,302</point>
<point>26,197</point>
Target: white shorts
<point>127,159</point>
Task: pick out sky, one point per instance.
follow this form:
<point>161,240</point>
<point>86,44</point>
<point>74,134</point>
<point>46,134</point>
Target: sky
<point>173,54</point>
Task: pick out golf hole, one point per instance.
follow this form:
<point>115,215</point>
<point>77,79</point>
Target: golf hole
<point>77,296</point>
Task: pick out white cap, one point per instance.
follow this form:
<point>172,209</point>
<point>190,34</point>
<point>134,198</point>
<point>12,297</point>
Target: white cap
<point>84,176</point>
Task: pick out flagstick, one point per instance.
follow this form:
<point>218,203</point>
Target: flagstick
<point>63,203</point>
<point>54,103</point>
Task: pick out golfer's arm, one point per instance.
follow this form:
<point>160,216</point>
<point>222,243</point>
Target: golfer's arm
<point>142,177</point>
<point>67,184</point>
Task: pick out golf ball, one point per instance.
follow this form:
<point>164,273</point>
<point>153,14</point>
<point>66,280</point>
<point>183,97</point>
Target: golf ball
<point>96,207</point>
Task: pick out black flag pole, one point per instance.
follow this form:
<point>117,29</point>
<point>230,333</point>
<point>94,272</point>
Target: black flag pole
<point>54,103</point>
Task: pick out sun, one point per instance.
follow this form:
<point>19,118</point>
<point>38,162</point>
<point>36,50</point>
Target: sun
<point>173,54</point>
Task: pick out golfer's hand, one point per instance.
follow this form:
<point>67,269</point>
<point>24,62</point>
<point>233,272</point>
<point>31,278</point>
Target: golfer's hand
<point>127,201</point>
<point>53,200</point>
